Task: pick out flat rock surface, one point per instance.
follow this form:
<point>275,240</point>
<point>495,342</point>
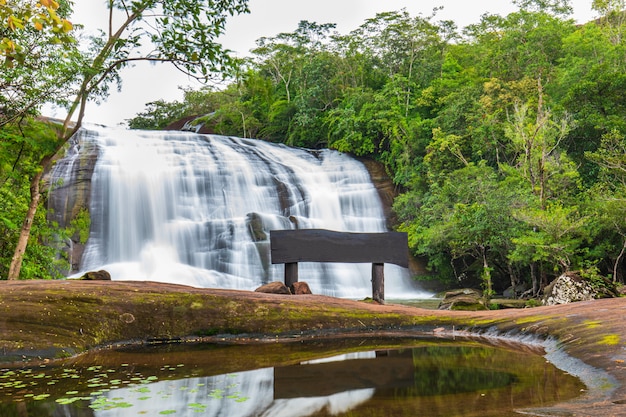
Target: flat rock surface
<point>43,320</point>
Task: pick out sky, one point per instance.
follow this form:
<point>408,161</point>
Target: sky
<point>145,82</point>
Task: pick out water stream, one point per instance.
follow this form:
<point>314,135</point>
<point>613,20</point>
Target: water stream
<point>197,209</point>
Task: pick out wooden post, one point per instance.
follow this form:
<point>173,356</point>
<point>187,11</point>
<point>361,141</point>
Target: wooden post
<point>291,273</point>
<point>378,283</point>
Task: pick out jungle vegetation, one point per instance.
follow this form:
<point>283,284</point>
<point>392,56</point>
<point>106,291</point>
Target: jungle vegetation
<point>505,139</point>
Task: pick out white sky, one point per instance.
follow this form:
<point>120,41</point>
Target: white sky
<point>144,82</point>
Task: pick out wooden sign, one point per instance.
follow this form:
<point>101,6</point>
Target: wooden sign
<point>318,245</point>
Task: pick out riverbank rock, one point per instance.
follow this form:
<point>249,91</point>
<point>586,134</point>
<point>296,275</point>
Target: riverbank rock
<point>275,287</point>
<point>514,292</point>
<point>568,288</point>
<point>101,275</point>
<point>571,287</point>
<point>300,288</point>
<point>466,299</point>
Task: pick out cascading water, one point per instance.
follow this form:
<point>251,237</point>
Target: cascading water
<point>197,210</point>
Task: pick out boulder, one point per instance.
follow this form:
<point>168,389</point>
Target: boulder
<point>101,275</point>
<point>300,288</point>
<point>514,292</point>
<point>466,299</point>
<point>571,287</point>
<point>275,287</point>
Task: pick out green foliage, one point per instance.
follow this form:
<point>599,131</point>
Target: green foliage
<point>554,236</point>
<point>158,115</point>
<point>505,139</point>
<point>600,284</point>
<point>20,147</point>
<point>80,225</point>
<point>24,20</point>
<point>37,56</point>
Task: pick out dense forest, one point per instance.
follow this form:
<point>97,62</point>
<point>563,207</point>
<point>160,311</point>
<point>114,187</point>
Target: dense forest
<point>506,139</point>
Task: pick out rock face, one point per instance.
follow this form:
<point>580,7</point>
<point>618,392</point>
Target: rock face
<point>69,184</point>
<point>571,287</point>
<point>387,192</point>
<point>275,287</point>
<point>466,299</point>
<point>385,187</point>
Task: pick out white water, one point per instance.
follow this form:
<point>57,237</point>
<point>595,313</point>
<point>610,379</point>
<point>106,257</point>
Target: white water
<point>178,207</point>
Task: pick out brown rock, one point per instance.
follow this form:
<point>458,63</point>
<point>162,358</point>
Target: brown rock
<point>275,287</point>
<point>101,275</point>
<point>465,299</point>
<point>300,288</point>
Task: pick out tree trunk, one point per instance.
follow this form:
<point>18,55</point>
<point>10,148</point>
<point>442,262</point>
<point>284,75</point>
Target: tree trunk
<point>513,279</point>
<point>617,261</point>
<point>486,274</point>
<point>20,249</point>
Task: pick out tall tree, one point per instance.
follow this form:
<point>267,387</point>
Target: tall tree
<point>181,32</point>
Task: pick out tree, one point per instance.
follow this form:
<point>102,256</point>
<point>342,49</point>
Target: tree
<point>465,223</point>
<point>158,115</point>
<point>37,50</point>
<point>609,196</point>
<point>409,49</point>
<point>180,32</point>
<point>591,81</point>
<point>613,18</point>
<point>21,145</point>
<point>555,238</point>
<point>20,20</point>
<point>537,138</point>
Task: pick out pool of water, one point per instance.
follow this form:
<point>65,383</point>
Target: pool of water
<point>348,377</point>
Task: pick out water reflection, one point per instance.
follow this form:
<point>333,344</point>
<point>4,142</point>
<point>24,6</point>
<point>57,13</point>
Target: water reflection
<point>429,378</point>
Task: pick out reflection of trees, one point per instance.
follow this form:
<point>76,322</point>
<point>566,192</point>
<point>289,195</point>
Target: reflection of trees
<point>443,378</point>
<point>37,409</point>
<point>471,380</point>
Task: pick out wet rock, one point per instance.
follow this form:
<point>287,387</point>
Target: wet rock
<point>69,184</point>
<point>466,299</point>
<point>255,227</point>
<point>275,287</point>
<point>508,303</point>
<point>101,275</point>
<point>300,288</point>
<point>261,225</point>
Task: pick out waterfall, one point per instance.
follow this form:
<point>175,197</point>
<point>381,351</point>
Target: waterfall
<point>197,210</point>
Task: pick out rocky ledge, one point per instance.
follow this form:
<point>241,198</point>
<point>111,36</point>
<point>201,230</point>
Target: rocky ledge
<point>44,320</point>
